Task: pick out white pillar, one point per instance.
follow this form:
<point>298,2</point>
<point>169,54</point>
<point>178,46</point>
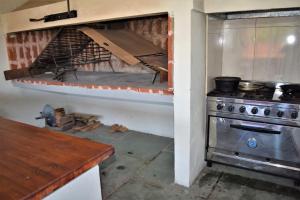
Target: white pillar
<point>189,97</point>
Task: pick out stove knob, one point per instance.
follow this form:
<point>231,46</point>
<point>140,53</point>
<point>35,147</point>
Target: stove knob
<point>220,106</point>
<point>280,113</point>
<point>230,108</point>
<point>267,112</point>
<point>254,110</point>
<point>294,115</point>
<point>242,109</point>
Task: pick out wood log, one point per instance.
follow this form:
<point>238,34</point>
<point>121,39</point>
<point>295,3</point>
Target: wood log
<point>118,128</point>
<point>20,73</point>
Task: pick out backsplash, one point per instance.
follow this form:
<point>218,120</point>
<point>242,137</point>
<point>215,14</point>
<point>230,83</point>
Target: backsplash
<point>263,49</point>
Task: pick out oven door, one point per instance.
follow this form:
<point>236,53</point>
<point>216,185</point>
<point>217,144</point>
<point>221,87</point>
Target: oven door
<point>258,141</point>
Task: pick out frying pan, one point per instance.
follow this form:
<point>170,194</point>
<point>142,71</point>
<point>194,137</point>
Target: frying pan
<point>290,89</point>
<point>250,86</point>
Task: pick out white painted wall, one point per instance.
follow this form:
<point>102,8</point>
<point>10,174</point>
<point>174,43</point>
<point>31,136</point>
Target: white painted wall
<point>198,93</point>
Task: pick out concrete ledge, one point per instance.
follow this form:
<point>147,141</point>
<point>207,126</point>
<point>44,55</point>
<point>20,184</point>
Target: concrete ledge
<point>118,93</point>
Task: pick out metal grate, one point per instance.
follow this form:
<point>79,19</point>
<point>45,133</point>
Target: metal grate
<point>68,50</point>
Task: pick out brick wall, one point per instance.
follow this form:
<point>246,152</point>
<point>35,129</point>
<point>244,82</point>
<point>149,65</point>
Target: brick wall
<point>24,47</point>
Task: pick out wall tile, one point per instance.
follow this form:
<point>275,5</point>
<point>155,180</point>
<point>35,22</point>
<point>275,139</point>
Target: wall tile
<point>239,23</point>
<point>215,25</point>
<point>278,21</point>
<point>277,58</point>
<point>214,59</point>
<point>238,52</point>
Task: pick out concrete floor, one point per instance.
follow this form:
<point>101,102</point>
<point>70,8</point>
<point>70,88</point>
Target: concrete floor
<point>108,78</point>
<point>143,169</point>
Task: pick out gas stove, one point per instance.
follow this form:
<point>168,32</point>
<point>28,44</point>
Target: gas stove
<point>268,107</point>
<point>255,130</point>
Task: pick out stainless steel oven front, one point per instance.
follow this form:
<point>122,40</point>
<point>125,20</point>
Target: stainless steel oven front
<point>265,147</point>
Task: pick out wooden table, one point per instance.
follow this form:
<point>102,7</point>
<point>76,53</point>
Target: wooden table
<point>34,162</point>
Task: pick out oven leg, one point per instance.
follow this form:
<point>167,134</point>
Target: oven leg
<point>209,163</point>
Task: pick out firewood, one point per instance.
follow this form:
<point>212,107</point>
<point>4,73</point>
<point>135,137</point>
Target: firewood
<point>118,128</point>
<point>65,120</point>
<point>89,127</point>
<point>59,114</point>
<point>85,118</point>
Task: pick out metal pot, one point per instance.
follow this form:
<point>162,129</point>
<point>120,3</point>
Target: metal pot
<point>290,89</point>
<point>250,86</point>
<point>227,83</point>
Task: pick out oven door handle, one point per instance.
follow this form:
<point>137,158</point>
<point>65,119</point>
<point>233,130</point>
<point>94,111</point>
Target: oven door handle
<point>255,129</point>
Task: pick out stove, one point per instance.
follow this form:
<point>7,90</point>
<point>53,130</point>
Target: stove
<point>255,130</point>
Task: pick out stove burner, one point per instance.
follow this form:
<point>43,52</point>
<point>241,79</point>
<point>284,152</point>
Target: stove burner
<point>290,97</point>
<point>262,94</point>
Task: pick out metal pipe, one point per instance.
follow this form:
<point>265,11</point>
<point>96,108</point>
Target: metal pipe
<point>69,10</point>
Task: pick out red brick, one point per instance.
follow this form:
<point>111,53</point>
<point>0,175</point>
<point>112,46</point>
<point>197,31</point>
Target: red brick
<point>41,35</point>
<point>19,38</point>
<point>10,39</point>
<point>21,52</point>
<point>28,53</point>
<point>13,66</point>
<point>35,51</point>
<point>143,90</point>
<point>29,62</point>
<point>12,53</point>
<point>166,92</point>
<point>170,52</point>
<point>23,65</point>
<point>26,37</point>
<point>33,36</point>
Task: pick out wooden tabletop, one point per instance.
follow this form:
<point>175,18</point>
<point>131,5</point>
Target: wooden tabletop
<point>34,161</point>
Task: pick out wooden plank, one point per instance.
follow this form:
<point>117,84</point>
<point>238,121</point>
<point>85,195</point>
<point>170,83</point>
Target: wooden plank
<point>16,73</point>
<point>35,162</point>
<point>131,42</point>
<point>110,45</point>
<point>20,73</point>
<point>160,63</point>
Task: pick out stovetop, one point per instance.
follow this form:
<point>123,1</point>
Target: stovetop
<point>264,94</point>
<point>264,105</point>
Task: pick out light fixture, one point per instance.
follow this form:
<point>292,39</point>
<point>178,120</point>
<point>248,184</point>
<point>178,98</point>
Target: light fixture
<point>221,41</point>
<point>291,39</point>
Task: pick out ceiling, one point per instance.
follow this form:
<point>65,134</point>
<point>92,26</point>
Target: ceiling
<point>36,3</point>
<point>10,5</point>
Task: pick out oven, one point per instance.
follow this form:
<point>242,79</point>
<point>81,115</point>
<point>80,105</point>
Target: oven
<point>259,146</point>
<point>254,142</point>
